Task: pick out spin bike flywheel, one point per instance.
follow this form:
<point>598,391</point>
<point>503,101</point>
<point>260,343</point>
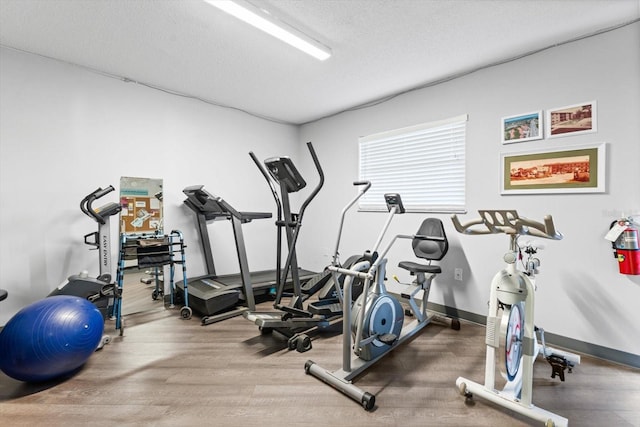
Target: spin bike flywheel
<point>383,316</point>
<point>511,334</point>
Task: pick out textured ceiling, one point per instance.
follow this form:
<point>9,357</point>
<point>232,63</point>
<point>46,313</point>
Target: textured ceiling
<point>380,47</point>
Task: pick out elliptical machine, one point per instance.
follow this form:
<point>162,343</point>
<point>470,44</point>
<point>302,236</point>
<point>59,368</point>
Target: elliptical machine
<point>374,325</point>
<point>101,290</point>
<point>511,336</point>
<point>295,319</point>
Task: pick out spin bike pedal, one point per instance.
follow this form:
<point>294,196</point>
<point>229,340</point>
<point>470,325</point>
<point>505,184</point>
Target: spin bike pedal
<point>558,366</point>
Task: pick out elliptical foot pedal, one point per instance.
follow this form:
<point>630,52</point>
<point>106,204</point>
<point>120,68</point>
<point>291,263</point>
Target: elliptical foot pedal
<point>293,312</point>
<point>326,308</point>
<point>388,339</point>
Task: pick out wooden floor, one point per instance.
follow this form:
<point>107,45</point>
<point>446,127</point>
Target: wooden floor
<point>165,371</point>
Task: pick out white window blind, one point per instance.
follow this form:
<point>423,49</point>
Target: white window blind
<point>425,164</point>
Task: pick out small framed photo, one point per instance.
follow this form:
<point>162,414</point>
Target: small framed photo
<point>522,127</point>
<point>572,120</point>
<point>575,169</point>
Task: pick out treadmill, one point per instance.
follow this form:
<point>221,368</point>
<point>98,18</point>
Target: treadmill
<point>217,297</point>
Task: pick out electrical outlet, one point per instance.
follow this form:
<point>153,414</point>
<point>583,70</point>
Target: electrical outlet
<point>457,274</point>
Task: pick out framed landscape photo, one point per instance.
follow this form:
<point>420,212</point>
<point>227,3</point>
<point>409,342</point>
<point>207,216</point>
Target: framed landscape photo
<point>522,127</point>
<point>572,120</point>
<point>575,169</point>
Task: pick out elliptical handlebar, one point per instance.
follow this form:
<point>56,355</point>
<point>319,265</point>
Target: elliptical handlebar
<point>86,205</point>
<point>316,190</point>
<point>367,185</point>
<point>508,222</point>
<point>270,182</point>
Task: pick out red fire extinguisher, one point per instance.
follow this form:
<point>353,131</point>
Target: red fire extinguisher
<point>625,248</point>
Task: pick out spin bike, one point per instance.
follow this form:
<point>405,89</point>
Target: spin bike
<point>511,336</point>
<point>373,325</point>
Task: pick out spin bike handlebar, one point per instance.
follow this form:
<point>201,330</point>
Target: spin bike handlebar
<point>507,222</point>
<point>86,205</point>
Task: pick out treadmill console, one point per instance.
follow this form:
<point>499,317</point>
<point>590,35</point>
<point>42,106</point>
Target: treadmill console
<point>201,201</point>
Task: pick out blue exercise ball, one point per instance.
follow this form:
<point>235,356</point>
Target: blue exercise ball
<point>50,338</point>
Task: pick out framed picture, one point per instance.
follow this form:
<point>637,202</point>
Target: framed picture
<point>575,169</point>
<point>523,127</point>
<point>572,120</point>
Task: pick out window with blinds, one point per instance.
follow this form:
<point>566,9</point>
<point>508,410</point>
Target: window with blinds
<point>425,164</point>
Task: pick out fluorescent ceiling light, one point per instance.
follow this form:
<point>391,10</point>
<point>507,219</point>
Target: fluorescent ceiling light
<point>262,20</point>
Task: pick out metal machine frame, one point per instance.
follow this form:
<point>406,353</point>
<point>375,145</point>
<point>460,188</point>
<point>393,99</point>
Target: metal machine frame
<point>373,325</point>
<point>511,337</point>
<point>293,319</point>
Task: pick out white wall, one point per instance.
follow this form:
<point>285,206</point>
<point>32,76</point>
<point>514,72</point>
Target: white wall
<point>65,131</point>
<point>580,295</point>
